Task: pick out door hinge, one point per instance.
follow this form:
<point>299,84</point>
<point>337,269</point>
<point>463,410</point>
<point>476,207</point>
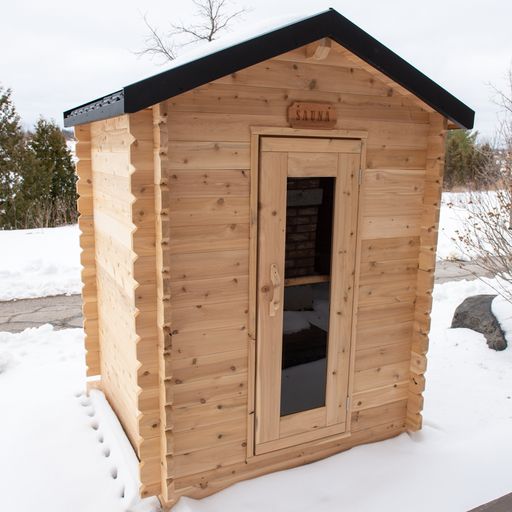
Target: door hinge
<point>360,177</point>
<point>348,404</point>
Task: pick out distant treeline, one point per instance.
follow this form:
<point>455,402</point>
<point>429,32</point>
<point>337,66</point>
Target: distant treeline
<point>37,178</point>
<point>469,163</point>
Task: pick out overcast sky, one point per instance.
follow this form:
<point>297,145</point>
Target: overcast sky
<point>57,54</point>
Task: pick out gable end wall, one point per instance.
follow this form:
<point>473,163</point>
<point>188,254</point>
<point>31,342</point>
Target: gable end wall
<point>207,177</point>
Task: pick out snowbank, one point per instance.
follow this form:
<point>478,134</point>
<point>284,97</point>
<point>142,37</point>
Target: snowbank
<point>452,218</point>
<point>65,451</point>
<point>455,216</point>
<point>39,262</point>
<point>61,450</point>
<point>502,310</point>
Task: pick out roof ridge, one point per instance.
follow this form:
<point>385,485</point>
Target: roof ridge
<point>253,50</point>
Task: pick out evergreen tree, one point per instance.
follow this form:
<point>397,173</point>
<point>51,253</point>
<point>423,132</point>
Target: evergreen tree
<point>460,150</point>
<point>12,159</point>
<point>468,163</point>
<point>49,184</point>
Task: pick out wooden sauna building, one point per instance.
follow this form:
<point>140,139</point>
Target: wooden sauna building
<point>259,227</point>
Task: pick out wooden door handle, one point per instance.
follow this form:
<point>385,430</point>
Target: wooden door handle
<point>275,279</point>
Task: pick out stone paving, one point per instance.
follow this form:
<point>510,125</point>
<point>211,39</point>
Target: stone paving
<point>458,270</point>
<point>62,311</point>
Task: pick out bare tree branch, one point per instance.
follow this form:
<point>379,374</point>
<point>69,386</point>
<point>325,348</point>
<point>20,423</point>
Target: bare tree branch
<point>156,45</point>
<point>486,235</point>
<point>214,17</point>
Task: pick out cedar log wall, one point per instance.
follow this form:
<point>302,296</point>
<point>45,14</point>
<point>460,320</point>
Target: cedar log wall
<point>207,186</point>
<point>201,144</point>
<point>122,331</point>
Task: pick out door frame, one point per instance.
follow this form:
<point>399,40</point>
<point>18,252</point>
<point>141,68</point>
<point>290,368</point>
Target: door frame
<point>257,132</point>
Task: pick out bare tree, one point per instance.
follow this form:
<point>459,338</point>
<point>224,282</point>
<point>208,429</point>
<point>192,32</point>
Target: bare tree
<point>157,44</point>
<point>215,16</point>
<point>486,235</point>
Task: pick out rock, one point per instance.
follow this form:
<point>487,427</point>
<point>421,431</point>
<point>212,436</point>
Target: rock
<point>475,313</point>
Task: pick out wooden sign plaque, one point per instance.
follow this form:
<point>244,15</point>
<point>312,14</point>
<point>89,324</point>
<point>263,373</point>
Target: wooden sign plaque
<point>311,115</point>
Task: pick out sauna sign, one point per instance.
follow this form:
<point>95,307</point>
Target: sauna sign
<point>311,115</point>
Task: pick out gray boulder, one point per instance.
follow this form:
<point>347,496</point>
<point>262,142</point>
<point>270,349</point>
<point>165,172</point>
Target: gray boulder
<point>476,313</point>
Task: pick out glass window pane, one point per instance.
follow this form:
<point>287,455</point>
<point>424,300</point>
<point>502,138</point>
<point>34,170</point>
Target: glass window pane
<point>307,293</point>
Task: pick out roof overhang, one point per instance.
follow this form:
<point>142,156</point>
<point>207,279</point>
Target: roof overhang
<point>330,23</point>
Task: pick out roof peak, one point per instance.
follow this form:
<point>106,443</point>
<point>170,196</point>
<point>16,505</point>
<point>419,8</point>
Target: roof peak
<point>261,42</point>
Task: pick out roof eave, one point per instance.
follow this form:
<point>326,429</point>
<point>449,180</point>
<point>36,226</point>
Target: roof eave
<point>106,107</point>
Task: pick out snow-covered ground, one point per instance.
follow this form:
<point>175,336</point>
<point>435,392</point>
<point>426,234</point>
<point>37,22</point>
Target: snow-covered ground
<point>457,210</point>
<point>451,219</point>
<point>63,450</point>
<point>39,262</point>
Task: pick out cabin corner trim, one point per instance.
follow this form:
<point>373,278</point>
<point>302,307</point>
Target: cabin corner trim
<point>84,188</point>
<point>426,269</point>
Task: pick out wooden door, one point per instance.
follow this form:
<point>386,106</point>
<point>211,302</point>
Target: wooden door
<point>307,231</point>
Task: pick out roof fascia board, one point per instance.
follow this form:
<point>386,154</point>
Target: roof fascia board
<point>98,110</point>
<point>383,59</point>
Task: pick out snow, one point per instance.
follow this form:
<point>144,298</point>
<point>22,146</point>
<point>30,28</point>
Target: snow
<point>39,262</point>
<point>456,214</point>
<point>502,310</point>
<point>61,450</point>
<point>452,218</point>
<point>462,454</point>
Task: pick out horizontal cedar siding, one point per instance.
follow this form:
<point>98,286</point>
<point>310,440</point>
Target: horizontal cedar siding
<point>208,179</point>
<point>110,158</point>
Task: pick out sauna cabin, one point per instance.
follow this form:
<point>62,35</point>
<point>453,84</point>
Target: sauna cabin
<point>258,226</point>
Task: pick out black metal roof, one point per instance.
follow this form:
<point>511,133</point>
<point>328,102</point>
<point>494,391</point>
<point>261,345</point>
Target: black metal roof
<point>330,23</point>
